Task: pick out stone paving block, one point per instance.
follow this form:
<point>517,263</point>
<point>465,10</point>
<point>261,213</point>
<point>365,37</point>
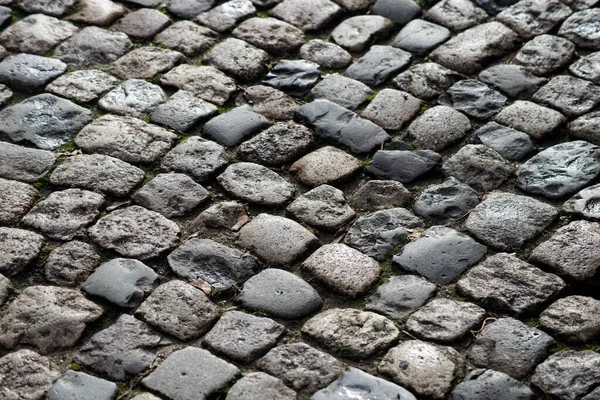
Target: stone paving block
<point>355,34</point>
<point>16,198</point>
<point>187,37</point>
<point>93,46</point>
<point>273,36</point>
<point>456,15</point>
<point>97,12</point>
<point>26,375</point>
<point>36,34</point>
<point>226,16</point>
<point>18,249</point>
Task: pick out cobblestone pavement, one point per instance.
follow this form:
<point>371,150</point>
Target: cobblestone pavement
<point>277,200</point>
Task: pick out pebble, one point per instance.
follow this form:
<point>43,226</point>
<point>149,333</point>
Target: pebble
<point>18,249</point>
<point>328,165</point>
<point>206,82</point>
<point>231,128</point>
<point>36,34</point>
<point>93,46</point>
<point>16,199</point>
<point>75,385</point>
<point>446,202</point>
<point>323,207</point>
<point>400,296</point>
<point>355,34</point>
<point>82,86</point>
<point>71,263</point>
<point>439,127</point>
<point>199,158</point>
<point>26,375</point>
<point>402,166</point>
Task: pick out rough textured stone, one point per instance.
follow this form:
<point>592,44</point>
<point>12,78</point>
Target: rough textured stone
<point>378,64</point>
<point>391,109</point>
<point>353,5</point>
<point>581,28</point>
<point>220,220</point>
<point>301,367</point>
<point>507,284</point>
<point>343,269</point>
<point>568,374</point>
<point>75,385</point>
<point>145,63</point>
<point>514,80</point>
<point>506,220</point>
<point>327,165</point>
<point>418,36</point>
<point>309,15</point>
<point>446,202</point>
<point>478,166</point>
<point>327,55</point>
<point>98,172</point>
<point>25,375</point>
<point>571,96</point>
<point>343,91</point>
<point>6,289</point>
<point>187,37</point>
<point>456,15</point>
<point>510,346</point>
<point>270,102</point>
<point>469,51</point>
<point>586,203</point>
<point>152,233</point>
<point>378,194</point>
<point>220,266</point>
<point>274,36</point>
<point>47,317</point>
<point>376,234</point>
<point>188,9</point>
<point>93,46</point>
<point>426,81</point>
<point>571,251</point>
<point>587,67</point>
<point>323,207</point>
<point>260,385</point>
<point>15,198</point>
<point>236,57</point>
<point>182,111</point>
<point>489,384</point>
<point>196,157</point>
<point>97,12</point>
<point>36,34</point>
<point>231,128</point>
<point>29,72</point>
<point>400,295</point>
<point>294,77</point>
<point>178,309</point>
<point>402,165</point>
<point>225,17</point>
<point>439,127</point>
<point>143,23</point>
<point>71,263</point>
<point>82,86</point>
<point>50,7</point>
<point>282,143</point>
<point>534,17</point>
<point>45,120</point>
<point>279,293</point>
<point>473,98</point>
<point>425,368</point>
<point>18,248</point>
<point>535,120</point>
<point>243,337</point>
<point>357,33</point>
<point>399,11</point>
<point>572,319</point>
<point>134,97</point>
<point>351,333</point>
<point>545,54</point>
<point>206,82</point>
<point>341,125</point>
<point>122,350</point>
<point>560,170</point>
<point>445,320</point>
<point>509,143</point>
<point>440,254</point>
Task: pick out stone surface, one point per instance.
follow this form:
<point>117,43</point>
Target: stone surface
<point>560,170</point>
<point>581,29</point>
<point>97,12</point>
<point>507,284</point>
<point>188,9</point>
<point>568,374</point>
<point>98,172</point>
<point>444,320</point>
<point>439,127</point>
<point>587,67</point>
<point>301,367</point>
<point>270,102</point>
<point>309,15</point>
<point>48,318</point>
<point>36,34</point>
<point>469,51</point>
<point>187,37</point>
<point>279,144</point>
<point>231,128</point>
<point>152,233</point>
<point>65,214</point>
<point>332,122</point>
<point>220,220</point>
<point>323,207</point>
<point>93,46</point>
<point>380,194</point>
<point>345,92</point>
<point>399,11</point>
<point>274,36</point>
<point>50,7</point>
<point>75,385</point>
<point>16,198</point>
<point>572,96</point>
<point>327,55</point>
<point>378,64</point>
<point>572,319</point>
<point>418,36</point>
<point>201,159</point>
<point>440,254</point>
<point>71,263</point>
<point>545,54</point>
<point>6,288</point>
<point>493,7</point>
<point>506,220</point>
<point>425,368</point>
<point>535,120</point>
<point>279,293</point>
<point>122,350</point>
<point>243,337</point>
<point>473,98</point>
<point>510,346</point>
<point>260,385</point>
<point>572,251</point>
<point>446,202</point>
<point>400,296</point>
<point>514,80</point>
<point>356,33</point>
<point>343,269</point>
<point>134,97</point>
<point>510,143</point>
<point>82,86</point>
<point>236,57</point>
<point>402,166</point>
<point>376,234</point>
<point>121,281</point>
<point>178,309</point>
<point>328,165</point>
<point>534,17</point>
<point>220,266</point>
<point>490,384</point>
<point>143,23</point>
<point>586,203</point>
<point>225,17</point>
<point>145,63</point>
<point>426,81</point>
<point>391,109</point>
<point>25,375</point>
<point>478,166</point>
<point>18,248</point>
<point>206,82</point>
<point>294,77</point>
<point>29,72</point>
<point>45,120</point>
<point>183,111</point>
<point>351,333</point>
<point>456,15</point>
